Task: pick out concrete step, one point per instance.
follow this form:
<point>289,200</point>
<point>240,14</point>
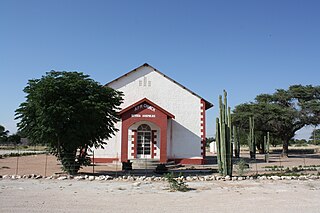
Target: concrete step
<point>116,163</point>
<point>144,163</point>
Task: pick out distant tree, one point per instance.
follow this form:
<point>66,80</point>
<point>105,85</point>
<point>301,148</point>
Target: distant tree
<point>3,134</point>
<point>22,134</point>
<point>70,113</point>
<point>26,140</point>
<point>209,140</point>
<point>242,136</point>
<point>298,142</point>
<point>274,141</point>
<point>14,138</point>
<point>262,114</point>
<point>282,113</point>
<point>315,137</point>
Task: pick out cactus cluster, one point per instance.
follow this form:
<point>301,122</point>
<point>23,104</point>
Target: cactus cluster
<point>223,137</point>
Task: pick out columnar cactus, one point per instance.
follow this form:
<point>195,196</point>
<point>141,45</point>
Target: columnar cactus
<point>236,142</point>
<point>267,147</point>
<point>251,139</point>
<point>223,138</point>
<point>218,145</point>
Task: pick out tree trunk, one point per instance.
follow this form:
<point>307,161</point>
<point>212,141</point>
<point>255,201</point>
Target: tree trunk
<point>285,148</point>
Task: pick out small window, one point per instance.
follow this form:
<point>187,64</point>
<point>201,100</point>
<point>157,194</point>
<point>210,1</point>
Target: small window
<point>140,83</point>
<point>144,127</point>
<point>145,81</point>
<point>149,83</point>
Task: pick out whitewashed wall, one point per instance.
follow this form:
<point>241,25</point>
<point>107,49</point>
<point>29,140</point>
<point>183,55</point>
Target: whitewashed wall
<point>186,107</point>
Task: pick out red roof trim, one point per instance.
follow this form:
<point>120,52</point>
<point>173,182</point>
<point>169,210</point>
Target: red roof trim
<point>149,102</point>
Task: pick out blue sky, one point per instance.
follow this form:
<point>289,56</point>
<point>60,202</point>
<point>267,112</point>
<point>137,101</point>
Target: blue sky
<point>246,47</point>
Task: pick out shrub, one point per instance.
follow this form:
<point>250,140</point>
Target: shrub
<point>161,168</point>
<point>242,166</point>
<point>127,165</point>
<point>295,169</point>
<point>287,170</point>
<point>176,184</point>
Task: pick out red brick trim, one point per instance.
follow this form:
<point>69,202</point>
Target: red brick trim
<point>203,126</point>
<point>160,119</point>
<point>104,160</point>
<point>124,144</point>
<point>135,143</point>
<point>153,142</point>
<point>188,161</point>
<point>145,100</point>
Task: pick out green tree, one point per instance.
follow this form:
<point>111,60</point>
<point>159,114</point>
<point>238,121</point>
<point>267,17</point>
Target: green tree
<point>14,138</point>
<point>262,113</point>
<point>22,134</point>
<point>315,137</point>
<point>282,113</point>
<point>3,134</point>
<point>70,113</point>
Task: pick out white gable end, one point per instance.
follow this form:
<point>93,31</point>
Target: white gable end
<point>185,131</point>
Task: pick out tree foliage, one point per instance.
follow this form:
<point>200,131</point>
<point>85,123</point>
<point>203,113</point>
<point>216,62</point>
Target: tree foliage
<point>70,113</point>
<point>282,113</point>
<point>315,136</point>
<point>3,134</point>
<point>209,140</point>
<point>14,138</point>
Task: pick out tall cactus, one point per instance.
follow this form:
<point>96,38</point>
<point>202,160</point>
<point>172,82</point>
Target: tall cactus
<point>236,142</point>
<point>218,145</point>
<point>251,139</point>
<point>267,147</point>
<point>223,138</point>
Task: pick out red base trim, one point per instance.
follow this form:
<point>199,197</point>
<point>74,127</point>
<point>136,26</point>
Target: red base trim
<point>177,161</point>
<point>104,160</point>
<point>188,161</point>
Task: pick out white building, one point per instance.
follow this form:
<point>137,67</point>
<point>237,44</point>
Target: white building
<point>160,119</point>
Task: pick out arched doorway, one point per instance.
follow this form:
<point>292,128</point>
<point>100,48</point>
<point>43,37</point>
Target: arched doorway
<point>153,144</point>
<point>144,141</point>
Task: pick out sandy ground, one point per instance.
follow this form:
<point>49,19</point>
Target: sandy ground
<point>27,195</point>
<point>47,165</point>
<point>111,196</point>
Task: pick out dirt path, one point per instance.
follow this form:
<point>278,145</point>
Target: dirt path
<point>111,196</point>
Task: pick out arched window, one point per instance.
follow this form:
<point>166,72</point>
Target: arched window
<point>144,127</point>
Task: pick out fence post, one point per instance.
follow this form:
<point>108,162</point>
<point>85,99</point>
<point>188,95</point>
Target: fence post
<point>93,161</point>
<point>145,167</point>
<point>280,162</point>
<point>17,161</point>
<point>268,146</point>
<point>45,166</point>
<point>304,156</point>
<point>117,165</point>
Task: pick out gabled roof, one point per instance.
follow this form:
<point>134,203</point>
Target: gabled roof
<point>208,104</point>
<point>145,100</point>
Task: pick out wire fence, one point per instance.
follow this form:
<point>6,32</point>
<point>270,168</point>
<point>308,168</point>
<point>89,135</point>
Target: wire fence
<point>23,162</point>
